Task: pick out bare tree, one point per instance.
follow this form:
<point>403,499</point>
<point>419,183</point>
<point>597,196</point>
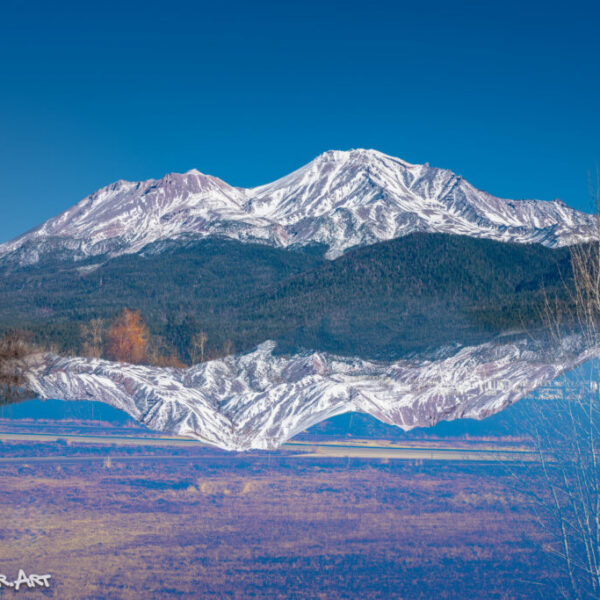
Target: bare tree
<point>228,348</point>
<point>92,335</point>
<point>14,350</point>
<point>566,435</point>
<point>198,346</point>
<point>161,354</point>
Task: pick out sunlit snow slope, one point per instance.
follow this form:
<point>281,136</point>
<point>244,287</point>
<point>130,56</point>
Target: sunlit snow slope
<point>340,199</point>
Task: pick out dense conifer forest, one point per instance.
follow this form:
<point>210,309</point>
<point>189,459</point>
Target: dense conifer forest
<point>205,299</point>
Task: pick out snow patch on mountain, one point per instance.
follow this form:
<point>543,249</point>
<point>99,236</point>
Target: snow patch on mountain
<point>341,199</point>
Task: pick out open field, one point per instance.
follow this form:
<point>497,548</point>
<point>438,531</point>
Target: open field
<point>113,510</point>
<point>170,521</point>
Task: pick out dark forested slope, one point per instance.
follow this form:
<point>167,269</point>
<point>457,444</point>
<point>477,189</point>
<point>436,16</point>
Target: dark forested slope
<point>383,300</point>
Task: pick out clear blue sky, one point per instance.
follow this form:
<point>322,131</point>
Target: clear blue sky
<point>504,93</point>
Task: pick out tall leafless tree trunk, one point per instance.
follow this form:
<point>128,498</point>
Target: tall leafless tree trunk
<point>198,346</point>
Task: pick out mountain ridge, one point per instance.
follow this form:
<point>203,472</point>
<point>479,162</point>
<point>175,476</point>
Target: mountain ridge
<point>341,199</point>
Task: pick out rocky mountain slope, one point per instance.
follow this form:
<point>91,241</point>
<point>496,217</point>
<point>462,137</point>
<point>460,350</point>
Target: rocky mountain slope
<point>339,200</point>
<point>414,290</point>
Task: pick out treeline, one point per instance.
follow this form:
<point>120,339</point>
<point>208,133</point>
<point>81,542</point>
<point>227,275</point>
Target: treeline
<point>127,338</point>
<point>381,301</point>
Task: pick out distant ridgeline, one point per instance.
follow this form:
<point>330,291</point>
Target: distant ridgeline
<point>384,301</point>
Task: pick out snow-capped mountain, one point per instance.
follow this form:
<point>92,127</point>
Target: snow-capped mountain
<point>260,400</point>
<point>340,199</point>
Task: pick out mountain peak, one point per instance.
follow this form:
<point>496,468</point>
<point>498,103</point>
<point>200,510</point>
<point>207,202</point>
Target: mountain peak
<point>341,199</point>
<point>360,155</point>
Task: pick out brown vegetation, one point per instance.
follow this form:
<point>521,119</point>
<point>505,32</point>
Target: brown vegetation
<point>14,349</point>
<point>92,335</point>
<point>214,525</point>
<point>161,354</point>
<point>127,338</point>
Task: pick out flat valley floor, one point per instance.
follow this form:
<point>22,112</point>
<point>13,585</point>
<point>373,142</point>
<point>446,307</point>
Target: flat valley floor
<point>119,521</point>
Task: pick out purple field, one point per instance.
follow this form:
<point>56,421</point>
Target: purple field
<point>165,522</point>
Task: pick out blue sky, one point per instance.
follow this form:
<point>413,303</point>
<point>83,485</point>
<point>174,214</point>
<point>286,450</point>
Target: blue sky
<point>503,93</point>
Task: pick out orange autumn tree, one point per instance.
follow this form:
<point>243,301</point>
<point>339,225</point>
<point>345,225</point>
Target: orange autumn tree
<point>127,338</point>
